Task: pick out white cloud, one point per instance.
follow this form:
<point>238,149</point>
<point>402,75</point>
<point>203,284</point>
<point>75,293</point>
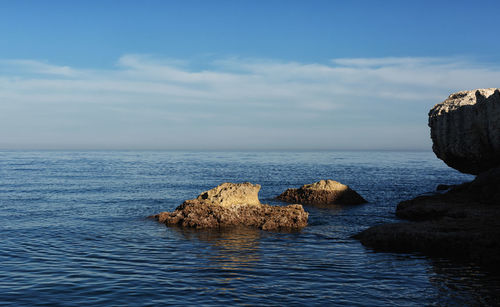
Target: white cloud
<point>36,67</point>
<point>151,99</point>
<point>393,61</point>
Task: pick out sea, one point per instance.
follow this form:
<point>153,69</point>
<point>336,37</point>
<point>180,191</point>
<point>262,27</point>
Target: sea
<point>74,232</point>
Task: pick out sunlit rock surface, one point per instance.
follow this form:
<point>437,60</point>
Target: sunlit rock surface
<point>465,130</point>
<point>231,204</point>
<point>324,192</point>
<point>461,221</point>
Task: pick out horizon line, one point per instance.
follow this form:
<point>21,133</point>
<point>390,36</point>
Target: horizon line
<point>218,149</point>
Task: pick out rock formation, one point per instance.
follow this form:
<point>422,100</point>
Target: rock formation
<point>229,194</point>
<point>324,192</point>
<point>465,130</point>
<point>462,222</point>
<point>232,204</point>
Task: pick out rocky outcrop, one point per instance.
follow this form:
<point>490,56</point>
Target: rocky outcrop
<point>465,130</point>
<point>230,205</point>
<point>323,193</point>
<point>461,223</point>
<point>474,239</point>
<point>229,194</point>
<point>459,201</point>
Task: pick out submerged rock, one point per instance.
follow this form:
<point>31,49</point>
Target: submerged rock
<point>324,192</point>
<point>231,204</point>
<point>465,130</point>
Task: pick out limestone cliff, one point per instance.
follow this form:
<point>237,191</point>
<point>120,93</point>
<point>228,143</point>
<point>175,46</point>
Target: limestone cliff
<point>465,130</point>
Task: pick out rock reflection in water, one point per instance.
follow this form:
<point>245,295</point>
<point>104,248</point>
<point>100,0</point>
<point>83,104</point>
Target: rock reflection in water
<point>231,249</point>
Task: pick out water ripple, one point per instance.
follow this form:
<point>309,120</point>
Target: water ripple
<point>73,232</point>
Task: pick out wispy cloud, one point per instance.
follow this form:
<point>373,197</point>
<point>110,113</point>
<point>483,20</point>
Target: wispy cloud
<point>168,102</point>
<point>35,67</point>
<point>394,61</point>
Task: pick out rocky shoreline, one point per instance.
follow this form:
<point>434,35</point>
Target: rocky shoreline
<point>463,222</point>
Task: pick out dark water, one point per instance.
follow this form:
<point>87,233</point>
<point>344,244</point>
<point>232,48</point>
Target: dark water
<point>73,232</point>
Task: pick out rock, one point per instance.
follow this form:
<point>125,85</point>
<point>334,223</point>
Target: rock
<point>324,192</point>
<point>460,200</point>
<point>474,239</point>
<point>461,223</point>
<point>465,130</point>
<point>229,194</point>
<point>230,205</point>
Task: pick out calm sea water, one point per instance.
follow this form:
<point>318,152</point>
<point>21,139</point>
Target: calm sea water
<point>73,232</point>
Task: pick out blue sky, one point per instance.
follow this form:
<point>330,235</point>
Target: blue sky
<point>237,74</point>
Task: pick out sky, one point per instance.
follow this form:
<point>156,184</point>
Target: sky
<point>237,75</point>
